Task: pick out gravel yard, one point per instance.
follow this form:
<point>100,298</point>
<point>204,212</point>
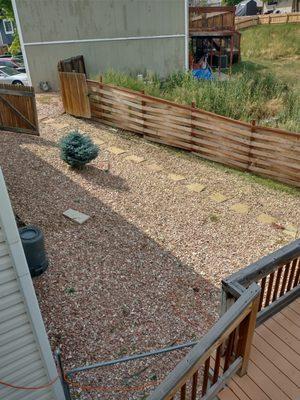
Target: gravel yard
<point>145,271</point>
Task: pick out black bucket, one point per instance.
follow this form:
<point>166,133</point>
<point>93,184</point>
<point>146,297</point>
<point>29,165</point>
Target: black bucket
<point>34,248</point>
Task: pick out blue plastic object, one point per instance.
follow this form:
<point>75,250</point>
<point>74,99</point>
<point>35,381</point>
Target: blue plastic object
<point>205,74</point>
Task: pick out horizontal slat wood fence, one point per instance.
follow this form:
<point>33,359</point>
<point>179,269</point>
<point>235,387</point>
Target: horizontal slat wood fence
<point>247,22</point>
<point>269,152</point>
<point>18,109</point>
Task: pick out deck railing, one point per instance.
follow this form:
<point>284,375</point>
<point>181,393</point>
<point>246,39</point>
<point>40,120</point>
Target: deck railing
<point>278,275</point>
<point>211,19</point>
<point>249,297</point>
<point>218,355</point>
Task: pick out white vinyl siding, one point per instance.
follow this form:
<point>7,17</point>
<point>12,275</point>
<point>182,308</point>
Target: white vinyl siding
<point>24,360</point>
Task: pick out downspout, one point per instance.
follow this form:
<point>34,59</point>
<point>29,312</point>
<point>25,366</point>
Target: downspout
<point>186,26</point>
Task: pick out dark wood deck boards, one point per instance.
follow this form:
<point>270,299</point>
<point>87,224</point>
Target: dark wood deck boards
<point>274,368</point>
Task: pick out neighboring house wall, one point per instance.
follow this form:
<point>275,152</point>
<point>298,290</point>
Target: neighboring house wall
<point>126,35</point>
<point>25,355</point>
<point>284,6</point>
<point>6,32</point>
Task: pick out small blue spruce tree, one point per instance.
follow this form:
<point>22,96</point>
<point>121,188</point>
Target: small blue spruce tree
<point>77,149</point>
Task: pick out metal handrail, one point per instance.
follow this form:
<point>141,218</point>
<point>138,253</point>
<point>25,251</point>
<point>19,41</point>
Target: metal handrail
<point>131,358</point>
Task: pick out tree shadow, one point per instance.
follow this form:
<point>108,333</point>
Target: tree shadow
<point>110,289</point>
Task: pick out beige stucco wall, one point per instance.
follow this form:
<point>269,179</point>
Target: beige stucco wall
<point>72,20</point>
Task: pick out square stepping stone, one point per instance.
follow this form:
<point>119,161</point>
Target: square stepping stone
<point>135,159</point>
<point>99,142</point>
<point>116,150</point>
<point>76,216</point>
<point>218,197</point>
<point>196,187</point>
<point>266,219</point>
<point>49,121</point>
<point>60,125</point>
<point>291,230</point>
<point>154,167</point>
<point>176,178</point>
<point>240,208</point>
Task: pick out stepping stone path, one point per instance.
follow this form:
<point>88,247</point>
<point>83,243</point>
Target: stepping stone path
<point>291,230</point>
<point>196,187</point>
<point>135,159</point>
<point>218,197</point>
<point>76,216</point>
<point>176,178</point>
<point>99,141</point>
<point>59,125</point>
<point>154,167</point>
<point>266,219</point>
<point>116,150</point>
<point>240,208</point>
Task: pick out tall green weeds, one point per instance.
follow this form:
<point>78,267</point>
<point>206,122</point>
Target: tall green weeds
<point>248,95</point>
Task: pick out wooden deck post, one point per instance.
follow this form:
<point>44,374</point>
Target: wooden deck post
<point>246,333</point>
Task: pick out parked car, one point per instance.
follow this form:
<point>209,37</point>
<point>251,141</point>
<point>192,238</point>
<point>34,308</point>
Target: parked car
<point>11,76</point>
<point>12,63</point>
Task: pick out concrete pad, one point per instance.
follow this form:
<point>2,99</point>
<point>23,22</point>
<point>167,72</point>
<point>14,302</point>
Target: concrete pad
<point>218,197</point>
<point>76,216</point>
<point>135,159</point>
<point>196,187</point>
<point>176,178</point>
<point>240,208</point>
<point>266,219</point>
<point>154,167</point>
<point>116,150</point>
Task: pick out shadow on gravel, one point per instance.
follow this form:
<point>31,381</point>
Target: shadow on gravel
<point>110,289</point>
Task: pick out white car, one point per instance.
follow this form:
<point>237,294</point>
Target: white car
<point>11,76</point>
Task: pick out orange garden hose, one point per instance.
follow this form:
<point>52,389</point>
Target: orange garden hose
<point>29,387</point>
<point>108,388</point>
<point>98,388</point>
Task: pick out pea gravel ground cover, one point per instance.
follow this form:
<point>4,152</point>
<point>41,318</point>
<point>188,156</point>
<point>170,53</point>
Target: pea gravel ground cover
<point>145,270</point>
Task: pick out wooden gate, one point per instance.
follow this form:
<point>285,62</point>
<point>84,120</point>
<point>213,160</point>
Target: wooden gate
<point>74,93</point>
<point>18,109</point>
<point>73,64</point>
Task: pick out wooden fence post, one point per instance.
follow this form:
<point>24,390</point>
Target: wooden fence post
<point>193,105</point>
<point>252,130</point>
<point>143,112</point>
<point>246,333</point>
<point>100,95</point>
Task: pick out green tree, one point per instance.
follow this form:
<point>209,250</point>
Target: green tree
<point>6,11</point>
<point>230,2</point>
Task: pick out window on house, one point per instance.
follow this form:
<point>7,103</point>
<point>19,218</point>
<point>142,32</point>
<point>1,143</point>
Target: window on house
<point>8,26</point>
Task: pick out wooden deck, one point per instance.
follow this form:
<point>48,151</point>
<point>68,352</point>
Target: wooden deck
<point>274,368</point>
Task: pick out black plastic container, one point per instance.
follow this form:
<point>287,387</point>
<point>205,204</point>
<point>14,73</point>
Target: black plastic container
<point>34,248</point>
